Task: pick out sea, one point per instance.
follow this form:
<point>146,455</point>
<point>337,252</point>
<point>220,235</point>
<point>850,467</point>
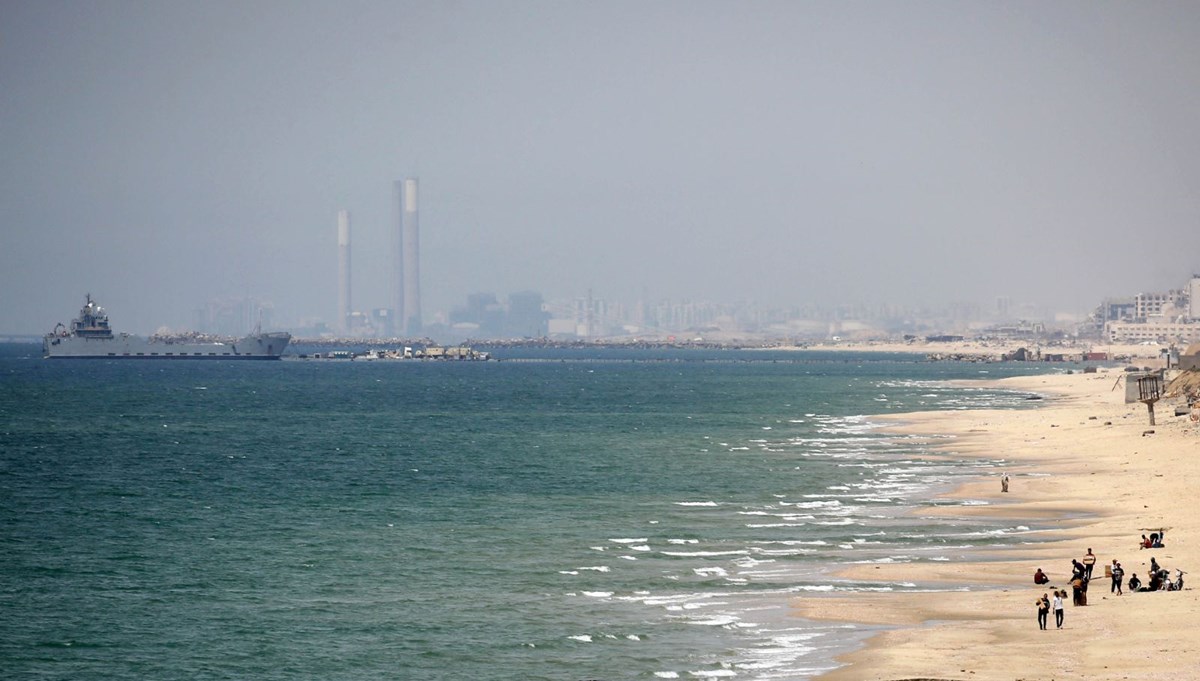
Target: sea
<point>555,514</point>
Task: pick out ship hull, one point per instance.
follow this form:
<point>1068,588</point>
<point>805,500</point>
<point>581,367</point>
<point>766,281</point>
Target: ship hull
<point>253,347</point>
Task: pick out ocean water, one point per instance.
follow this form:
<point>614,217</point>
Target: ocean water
<point>633,515</point>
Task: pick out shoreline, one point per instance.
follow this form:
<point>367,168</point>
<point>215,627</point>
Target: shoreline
<point>1080,466</point>
<point>993,349</point>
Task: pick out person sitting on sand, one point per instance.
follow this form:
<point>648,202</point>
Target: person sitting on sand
<point>1134,583</point>
<point>1146,543</point>
<point>1156,540</point>
<point>1040,577</point>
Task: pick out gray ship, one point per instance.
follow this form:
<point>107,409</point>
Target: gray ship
<point>89,337</point>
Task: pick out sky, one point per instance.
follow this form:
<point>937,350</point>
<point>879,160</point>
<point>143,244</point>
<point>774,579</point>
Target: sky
<point>162,154</point>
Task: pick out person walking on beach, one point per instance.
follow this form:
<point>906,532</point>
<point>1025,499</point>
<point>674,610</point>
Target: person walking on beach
<point>1118,575</point>
<point>1058,607</point>
<point>1004,483</point>
<point>1089,561</point>
<point>1043,606</point>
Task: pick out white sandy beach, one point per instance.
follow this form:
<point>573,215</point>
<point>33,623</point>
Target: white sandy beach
<point>995,348</point>
<point>1084,464</point>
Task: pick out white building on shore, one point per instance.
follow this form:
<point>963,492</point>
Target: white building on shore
<point>1171,317</point>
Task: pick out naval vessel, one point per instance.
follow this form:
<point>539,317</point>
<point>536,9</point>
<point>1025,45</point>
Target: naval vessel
<point>90,337</point>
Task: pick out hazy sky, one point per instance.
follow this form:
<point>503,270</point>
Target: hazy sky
<point>159,154</point>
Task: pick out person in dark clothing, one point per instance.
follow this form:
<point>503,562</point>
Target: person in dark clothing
<point>1079,591</point>
<point>1155,581</point>
<point>1043,609</point>
<point>1118,574</point>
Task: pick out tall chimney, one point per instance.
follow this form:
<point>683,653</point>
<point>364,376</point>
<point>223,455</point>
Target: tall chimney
<point>344,305</point>
<point>396,275</point>
<point>411,267</point>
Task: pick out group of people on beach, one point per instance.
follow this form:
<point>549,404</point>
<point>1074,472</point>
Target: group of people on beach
<point>1044,605</point>
<point>1158,579</point>
<point>1081,575</point>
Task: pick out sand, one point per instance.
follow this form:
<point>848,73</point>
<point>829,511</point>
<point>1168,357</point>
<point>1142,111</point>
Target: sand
<point>1083,464</point>
<point>994,348</point>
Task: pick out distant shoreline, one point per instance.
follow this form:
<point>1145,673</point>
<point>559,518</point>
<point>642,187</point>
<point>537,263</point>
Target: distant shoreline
<point>975,350</point>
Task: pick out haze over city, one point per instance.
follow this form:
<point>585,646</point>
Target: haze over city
<point>160,155</point>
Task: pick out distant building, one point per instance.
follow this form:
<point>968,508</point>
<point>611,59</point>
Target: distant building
<point>484,312</point>
<point>1194,297</point>
<point>1003,307</point>
<point>1148,305</point>
<point>1152,332</point>
<point>1117,310</point>
<point>234,316</point>
<point>1169,317</point>
<point>526,316</point>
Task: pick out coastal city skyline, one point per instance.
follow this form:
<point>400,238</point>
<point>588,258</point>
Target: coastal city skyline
<point>165,157</point>
<point>1171,316</point>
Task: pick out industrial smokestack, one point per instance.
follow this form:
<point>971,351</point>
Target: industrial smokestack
<point>410,231</point>
<point>396,278</point>
<point>344,304</point>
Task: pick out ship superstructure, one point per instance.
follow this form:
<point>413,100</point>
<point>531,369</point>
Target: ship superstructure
<point>90,337</point>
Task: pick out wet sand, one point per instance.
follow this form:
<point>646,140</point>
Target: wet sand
<point>1081,466</point>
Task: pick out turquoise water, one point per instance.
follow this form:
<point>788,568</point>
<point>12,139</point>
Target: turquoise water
<point>578,519</point>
